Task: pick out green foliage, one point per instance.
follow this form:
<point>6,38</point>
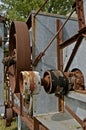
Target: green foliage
<point>20,9</point>
<point>61,7</point>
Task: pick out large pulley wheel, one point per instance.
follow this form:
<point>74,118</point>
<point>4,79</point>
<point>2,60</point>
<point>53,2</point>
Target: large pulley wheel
<point>19,47</point>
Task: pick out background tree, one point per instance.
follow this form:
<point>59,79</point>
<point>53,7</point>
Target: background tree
<point>20,9</point>
<point>61,7</point>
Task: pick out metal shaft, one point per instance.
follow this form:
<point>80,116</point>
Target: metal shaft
<point>41,7</point>
<point>52,39</point>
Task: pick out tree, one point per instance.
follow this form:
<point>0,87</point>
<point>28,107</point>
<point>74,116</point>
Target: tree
<point>20,9</point>
<point>61,7</point>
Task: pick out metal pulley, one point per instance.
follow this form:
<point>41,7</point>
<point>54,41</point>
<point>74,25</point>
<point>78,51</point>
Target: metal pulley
<point>56,82</point>
<point>30,82</point>
<point>19,47</point>
<point>78,78</point>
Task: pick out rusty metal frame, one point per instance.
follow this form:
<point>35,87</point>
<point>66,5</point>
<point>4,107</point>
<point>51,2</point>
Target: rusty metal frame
<point>33,123</point>
<point>80,13</point>
<point>41,54</point>
<point>41,7</point>
<point>78,38</point>
<point>60,64</point>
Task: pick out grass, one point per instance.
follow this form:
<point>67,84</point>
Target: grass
<point>3,125</point>
<point>3,121</point>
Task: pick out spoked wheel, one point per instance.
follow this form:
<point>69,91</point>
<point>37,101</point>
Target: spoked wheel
<point>19,48</point>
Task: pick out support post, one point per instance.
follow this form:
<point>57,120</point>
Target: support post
<point>60,64</point>
<point>80,13</point>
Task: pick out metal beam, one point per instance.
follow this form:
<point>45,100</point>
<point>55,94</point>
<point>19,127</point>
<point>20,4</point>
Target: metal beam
<point>80,13</point>
<point>60,64</point>
<point>73,38</point>
<point>73,53</point>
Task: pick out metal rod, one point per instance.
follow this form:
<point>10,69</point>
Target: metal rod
<point>21,107</point>
<point>52,39</point>
<point>73,53</point>
<point>41,7</point>
<point>60,64</point>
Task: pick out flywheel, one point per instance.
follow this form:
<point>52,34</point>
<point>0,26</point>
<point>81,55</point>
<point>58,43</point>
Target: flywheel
<point>19,48</point>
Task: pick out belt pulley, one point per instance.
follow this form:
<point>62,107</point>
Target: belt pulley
<point>19,45</point>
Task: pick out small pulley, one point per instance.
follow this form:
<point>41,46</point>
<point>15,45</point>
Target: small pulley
<point>30,84</point>
<point>58,82</point>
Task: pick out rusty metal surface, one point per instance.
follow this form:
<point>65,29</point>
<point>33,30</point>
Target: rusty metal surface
<point>72,39</point>
<point>60,64</point>
<point>80,13</point>
<point>9,116</point>
<point>30,84</point>
<point>19,35</point>
<point>38,125</point>
<point>59,51</point>
<point>84,124</point>
<point>41,7</point>
<point>19,41</point>
<point>78,42</point>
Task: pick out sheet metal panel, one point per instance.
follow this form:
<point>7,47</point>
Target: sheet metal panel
<point>45,29</point>
<point>77,102</point>
<point>84,5</point>
<point>1,71</point>
<point>59,121</point>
